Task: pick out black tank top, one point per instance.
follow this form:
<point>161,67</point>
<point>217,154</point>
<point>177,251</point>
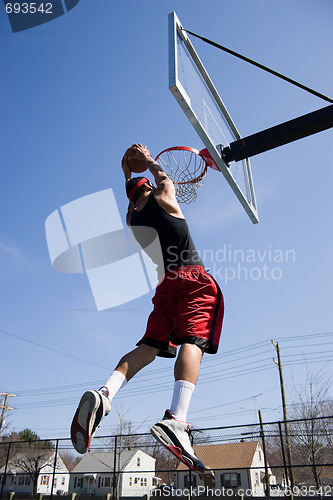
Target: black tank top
<point>175,239</point>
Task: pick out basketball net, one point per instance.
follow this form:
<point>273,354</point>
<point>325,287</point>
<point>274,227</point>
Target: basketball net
<point>186,167</point>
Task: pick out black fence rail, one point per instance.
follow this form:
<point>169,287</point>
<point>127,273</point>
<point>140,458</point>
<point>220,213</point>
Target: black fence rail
<point>293,458</point>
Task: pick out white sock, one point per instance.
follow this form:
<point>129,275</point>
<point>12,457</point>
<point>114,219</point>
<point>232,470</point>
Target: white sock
<point>116,381</point>
<point>182,393</point>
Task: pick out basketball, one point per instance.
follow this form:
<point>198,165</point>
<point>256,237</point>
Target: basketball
<point>135,166</point>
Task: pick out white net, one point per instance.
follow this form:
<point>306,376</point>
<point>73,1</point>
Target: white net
<point>186,169</point>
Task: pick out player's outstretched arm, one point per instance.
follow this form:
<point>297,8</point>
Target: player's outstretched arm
<point>126,170</point>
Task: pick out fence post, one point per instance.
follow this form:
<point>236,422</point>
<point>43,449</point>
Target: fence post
<point>4,477</point>
<point>54,468</point>
<point>267,485</point>
<point>283,454</point>
<point>114,488</point>
<point>190,484</point>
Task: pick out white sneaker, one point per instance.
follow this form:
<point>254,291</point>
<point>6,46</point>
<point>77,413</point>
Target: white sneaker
<point>175,436</point>
<point>93,407</point>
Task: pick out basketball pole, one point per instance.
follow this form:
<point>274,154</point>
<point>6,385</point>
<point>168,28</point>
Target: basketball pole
<point>281,134</point>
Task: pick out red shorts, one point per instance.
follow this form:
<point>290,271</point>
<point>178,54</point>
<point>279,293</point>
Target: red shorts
<point>188,309</point>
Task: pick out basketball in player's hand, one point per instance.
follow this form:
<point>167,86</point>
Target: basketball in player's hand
<point>135,161</point>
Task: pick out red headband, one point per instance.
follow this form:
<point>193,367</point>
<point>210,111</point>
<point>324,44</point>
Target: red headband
<point>136,187</point>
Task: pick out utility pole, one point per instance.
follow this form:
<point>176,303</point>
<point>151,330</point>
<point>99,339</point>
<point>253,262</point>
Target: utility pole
<point>4,407</point>
<point>285,417</point>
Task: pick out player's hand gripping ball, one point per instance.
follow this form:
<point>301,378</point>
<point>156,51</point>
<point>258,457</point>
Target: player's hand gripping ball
<point>135,160</point>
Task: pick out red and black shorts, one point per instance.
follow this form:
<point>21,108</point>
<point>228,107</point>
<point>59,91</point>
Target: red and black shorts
<point>188,309</point>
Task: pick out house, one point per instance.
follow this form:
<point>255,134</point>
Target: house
<point>94,474</point>
<point>238,467</point>
<point>31,472</point>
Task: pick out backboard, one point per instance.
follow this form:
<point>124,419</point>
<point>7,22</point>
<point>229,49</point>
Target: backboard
<point>194,91</point>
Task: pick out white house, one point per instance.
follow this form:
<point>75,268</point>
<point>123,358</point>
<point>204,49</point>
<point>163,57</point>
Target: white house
<point>94,474</point>
<point>239,467</point>
<point>37,464</point>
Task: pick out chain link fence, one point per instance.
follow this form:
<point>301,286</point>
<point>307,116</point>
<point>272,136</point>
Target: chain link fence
<point>293,458</point>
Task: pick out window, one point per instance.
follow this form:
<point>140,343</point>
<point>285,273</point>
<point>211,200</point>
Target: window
<point>21,480</point>
<point>78,482</point>
<point>104,482</point>
<point>154,481</point>
<point>138,461</point>
<point>63,480</point>
<point>230,480</point>
<point>256,479</point>
<point>27,480</point>
<point>130,481</point>
<point>44,480</point>
<point>188,483</point>
<point>141,482</point>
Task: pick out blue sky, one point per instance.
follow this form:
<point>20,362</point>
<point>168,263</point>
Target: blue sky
<point>76,92</point>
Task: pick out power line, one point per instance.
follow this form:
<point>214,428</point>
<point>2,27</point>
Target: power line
<point>154,371</point>
<point>152,389</point>
<point>149,381</point>
<point>141,379</point>
<point>221,367</point>
<point>53,350</point>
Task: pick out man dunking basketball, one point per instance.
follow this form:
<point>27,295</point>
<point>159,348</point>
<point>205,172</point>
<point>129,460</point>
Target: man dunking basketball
<point>188,312</point>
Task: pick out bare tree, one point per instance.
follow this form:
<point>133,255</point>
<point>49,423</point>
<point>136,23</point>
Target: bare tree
<point>28,453</point>
<point>276,453</point>
<point>31,462</point>
<point>126,433</point>
<point>69,459</point>
<point>166,462</point>
<point>20,441</point>
<point>312,434</point>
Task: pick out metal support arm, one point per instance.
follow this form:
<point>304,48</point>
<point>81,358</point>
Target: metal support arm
<point>279,135</point>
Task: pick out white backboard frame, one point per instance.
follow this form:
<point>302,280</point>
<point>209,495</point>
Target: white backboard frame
<point>245,193</point>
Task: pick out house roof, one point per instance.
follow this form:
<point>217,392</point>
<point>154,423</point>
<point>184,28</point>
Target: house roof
<point>95,462</point>
<point>225,456</point>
